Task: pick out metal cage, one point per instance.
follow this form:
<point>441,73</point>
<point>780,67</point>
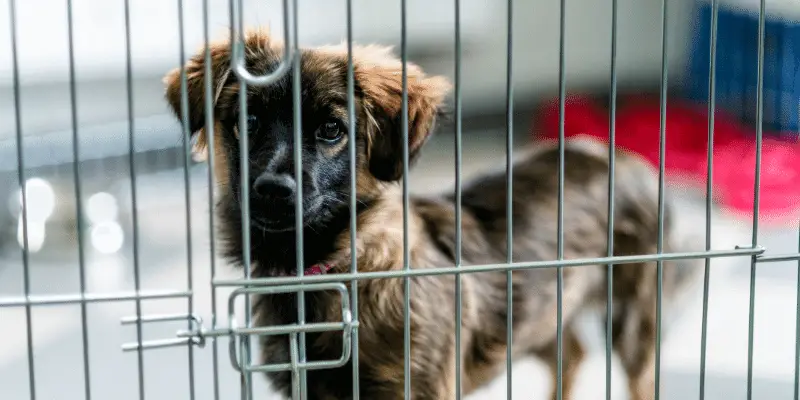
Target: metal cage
<point>199,333</point>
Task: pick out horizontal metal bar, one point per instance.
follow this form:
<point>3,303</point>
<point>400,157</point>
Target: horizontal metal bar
<point>51,300</point>
<point>271,330</point>
<point>308,366</point>
<point>296,365</point>
<point>778,258</point>
<point>347,316</point>
<point>737,252</point>
<point>161,318</point>
<point>196,326</point>
<point>303,365</point>
<point>158,344</point>
<point>322,286</point>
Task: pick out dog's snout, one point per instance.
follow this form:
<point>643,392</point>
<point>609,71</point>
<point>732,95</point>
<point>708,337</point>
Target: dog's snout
<point>276,186</point>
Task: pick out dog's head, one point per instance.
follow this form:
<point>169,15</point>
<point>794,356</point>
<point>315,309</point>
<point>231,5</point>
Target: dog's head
<point>324,122</point>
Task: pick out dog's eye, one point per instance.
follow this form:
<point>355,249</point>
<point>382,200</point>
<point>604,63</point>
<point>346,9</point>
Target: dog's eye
<point>330,131</point>
<point>252,124</point>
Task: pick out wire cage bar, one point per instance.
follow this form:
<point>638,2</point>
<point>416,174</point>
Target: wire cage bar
<point>196,335</point>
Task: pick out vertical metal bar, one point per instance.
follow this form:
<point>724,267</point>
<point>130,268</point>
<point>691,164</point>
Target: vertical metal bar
<point>23,198</point>
<point>244,193</point>
<point>134,212</point>
<point>298,176</point>
<point>662,136</point>
<point>78,201</point>
<point>351,142</point>
<point>797,326</point>
<point>406,248</point>
<point>294,358</point>
<point>209,131</point>
<point>612,126</point>
<point>562,89</point>
<point>246,379</point>
<point>712,97</point>
<point>756,191</point>
<point>458,190</point>
<point>187,191</point>
<point>509,194</point>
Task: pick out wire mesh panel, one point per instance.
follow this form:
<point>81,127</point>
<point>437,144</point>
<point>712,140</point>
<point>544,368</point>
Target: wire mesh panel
<point>350,326</point>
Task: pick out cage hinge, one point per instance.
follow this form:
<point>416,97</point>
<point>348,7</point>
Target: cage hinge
<point>197,334</point>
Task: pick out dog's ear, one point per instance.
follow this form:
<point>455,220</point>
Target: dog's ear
<point>379,74</point>
<point>257,43</point>
<point>195,70</point>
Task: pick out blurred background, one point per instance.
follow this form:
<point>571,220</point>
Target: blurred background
<point>165,258</point>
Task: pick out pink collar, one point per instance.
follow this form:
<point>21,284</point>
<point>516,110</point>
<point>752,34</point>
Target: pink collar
<point>318,269</point>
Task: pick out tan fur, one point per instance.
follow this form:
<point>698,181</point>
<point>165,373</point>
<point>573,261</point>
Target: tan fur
<point>431,232</point>
<point>220,161</point>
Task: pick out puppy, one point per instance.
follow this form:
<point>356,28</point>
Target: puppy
<point>431,228</point>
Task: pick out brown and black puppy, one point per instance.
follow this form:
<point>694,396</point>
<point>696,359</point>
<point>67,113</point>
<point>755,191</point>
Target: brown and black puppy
<point>431,227</point>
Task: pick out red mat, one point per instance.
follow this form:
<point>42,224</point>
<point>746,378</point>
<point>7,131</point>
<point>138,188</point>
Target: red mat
<point>638,123</point>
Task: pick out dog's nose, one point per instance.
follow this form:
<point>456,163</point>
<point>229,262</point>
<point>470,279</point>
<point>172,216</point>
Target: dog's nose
<point>276,186</point>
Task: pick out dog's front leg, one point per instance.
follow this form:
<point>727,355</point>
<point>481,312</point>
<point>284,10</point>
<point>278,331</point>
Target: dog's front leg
<point>432,340</point>
<point>432,372</point>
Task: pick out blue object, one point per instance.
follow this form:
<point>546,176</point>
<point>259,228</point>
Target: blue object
<point>737,67</point>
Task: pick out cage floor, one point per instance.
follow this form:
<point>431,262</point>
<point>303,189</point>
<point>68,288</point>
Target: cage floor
<point>57,329</point>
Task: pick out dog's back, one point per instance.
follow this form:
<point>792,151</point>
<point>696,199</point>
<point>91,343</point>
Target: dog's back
<point>585,232</point>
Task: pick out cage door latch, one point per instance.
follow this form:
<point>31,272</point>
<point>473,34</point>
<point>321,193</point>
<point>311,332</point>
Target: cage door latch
<point>197,334</point>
